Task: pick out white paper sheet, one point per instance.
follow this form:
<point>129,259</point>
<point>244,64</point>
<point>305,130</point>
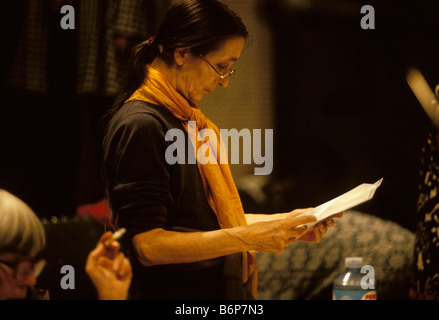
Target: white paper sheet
<point>360,194</point>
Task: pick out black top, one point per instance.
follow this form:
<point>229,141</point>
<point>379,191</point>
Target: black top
<point>146,192</point>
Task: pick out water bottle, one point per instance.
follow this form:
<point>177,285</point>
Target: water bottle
<point>349,284</point>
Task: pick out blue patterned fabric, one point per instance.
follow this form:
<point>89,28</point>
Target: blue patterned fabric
<point>305,271</point>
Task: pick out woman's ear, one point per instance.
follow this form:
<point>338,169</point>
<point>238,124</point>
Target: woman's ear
<point>180,56</point>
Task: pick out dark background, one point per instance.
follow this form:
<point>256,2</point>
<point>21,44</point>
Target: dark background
<point>39,133</point>
<point>344,114</point>
<point>344,111</point>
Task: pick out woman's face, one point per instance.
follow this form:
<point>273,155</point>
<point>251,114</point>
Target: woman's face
<point>197,78</point>
<point>14,282</point>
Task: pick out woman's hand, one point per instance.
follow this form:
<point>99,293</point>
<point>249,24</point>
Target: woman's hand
<point>109,270</point>
<point>315,235</point>
<point>274,235</point>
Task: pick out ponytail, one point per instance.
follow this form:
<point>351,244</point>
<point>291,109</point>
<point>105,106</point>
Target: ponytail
<point>141,55</point>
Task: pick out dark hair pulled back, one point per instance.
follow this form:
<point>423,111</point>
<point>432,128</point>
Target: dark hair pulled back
<point>197,25</point>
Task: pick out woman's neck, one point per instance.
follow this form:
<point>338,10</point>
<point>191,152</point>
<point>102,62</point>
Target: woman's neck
<point>169,72</point>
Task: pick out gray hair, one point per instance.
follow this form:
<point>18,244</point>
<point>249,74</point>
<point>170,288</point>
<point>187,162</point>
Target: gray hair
<point>21,231</point>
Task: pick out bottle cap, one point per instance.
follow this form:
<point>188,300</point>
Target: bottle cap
<point>354,262</point>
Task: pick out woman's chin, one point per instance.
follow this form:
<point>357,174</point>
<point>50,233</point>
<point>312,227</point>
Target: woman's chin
<point>196,99</point>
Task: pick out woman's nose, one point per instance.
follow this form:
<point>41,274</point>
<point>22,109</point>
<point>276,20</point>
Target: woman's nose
<point>224,82</point>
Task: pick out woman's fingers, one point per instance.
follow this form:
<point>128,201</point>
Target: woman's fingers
<point>292,229</point>
<point>105,237</point>
<point>302,219</point>
<point>298,212</point>
<point>300,230</point>
<point>318,235</point>
<point>275,235</point>
<point>329,222</point>
<point>338,215</point>
<point>322,228</point>
<point>121,265</point>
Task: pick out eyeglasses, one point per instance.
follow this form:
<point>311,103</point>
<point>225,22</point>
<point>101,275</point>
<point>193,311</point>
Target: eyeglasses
<point>222,76</point>
<point>25,268</point>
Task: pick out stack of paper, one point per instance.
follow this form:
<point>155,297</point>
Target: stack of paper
<point>364,192</point>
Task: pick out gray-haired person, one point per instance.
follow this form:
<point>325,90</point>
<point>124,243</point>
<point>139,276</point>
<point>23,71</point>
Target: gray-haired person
<point>22,241</point>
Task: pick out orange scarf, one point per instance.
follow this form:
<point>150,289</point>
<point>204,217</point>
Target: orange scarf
<point>218,183</point>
